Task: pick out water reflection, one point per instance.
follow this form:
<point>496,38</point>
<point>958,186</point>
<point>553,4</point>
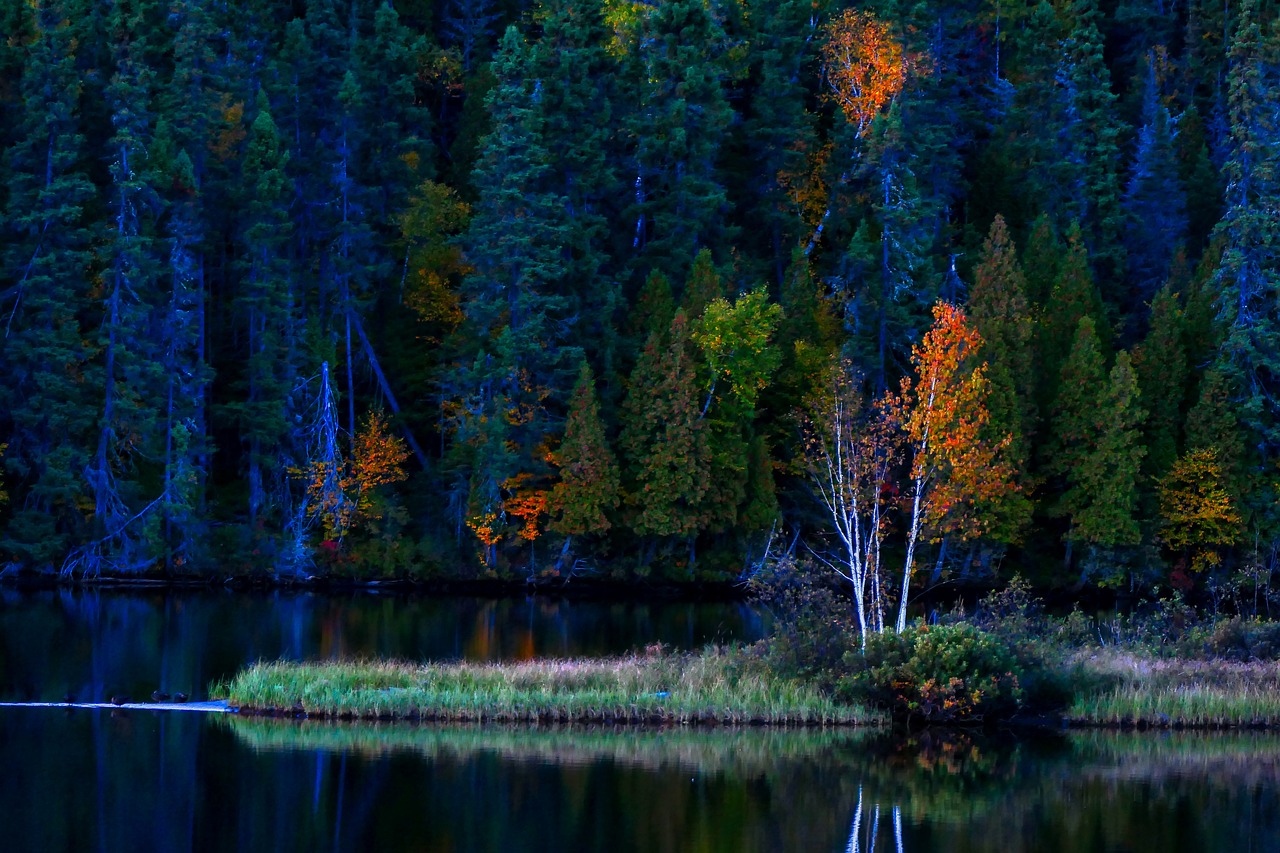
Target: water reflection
<point>149,781</point>
<point>96,643</point>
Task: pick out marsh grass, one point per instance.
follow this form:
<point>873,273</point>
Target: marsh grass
<point>714,686</point>
<point>1120,688</point>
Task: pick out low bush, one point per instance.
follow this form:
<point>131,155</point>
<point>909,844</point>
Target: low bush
<point>938,673</point>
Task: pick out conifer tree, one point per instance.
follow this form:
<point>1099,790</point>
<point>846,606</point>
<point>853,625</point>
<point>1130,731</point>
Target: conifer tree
<point>1161,365</point>
<point>1102,493</point>
<point>1001,316</point>
<point>1155,205</point>
<point>1087,166</point>
<point>665,438</point>
<point>1081,393</point>
<point>1041,260</point>
<point>266,296</point>
<point>1074,296</point>
<point>48,382</point>
<point>1249,272</point>
<point>588,491</point>
<point>131,399</point>
<point>511,301</point>
<point>677,131</point>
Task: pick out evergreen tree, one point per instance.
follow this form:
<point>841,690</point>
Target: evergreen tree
<point>665,438</point>
<point>999,312</point>
<point>589,486</point>
<point>1087,164</point>
<point>511,302</point>
<point>266,295</point>
<point>1082,393</point>
<point>1155,205</point>
<point>1249,272</point>
<point>677,131</point>
<point>1040,261</point>
<point>1074,297</point>
<point>1102,496</point>
<point>49,387</point>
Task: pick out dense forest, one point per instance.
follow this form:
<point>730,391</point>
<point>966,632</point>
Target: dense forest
<point>653,289</point>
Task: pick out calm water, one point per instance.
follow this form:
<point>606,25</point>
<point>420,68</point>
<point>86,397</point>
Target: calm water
<point>90,780</point>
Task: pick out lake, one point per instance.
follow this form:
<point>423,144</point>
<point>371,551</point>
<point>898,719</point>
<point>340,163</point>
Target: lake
<point>142,780</point>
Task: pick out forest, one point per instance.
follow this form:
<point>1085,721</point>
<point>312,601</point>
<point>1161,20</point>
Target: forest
<point>654,291</point>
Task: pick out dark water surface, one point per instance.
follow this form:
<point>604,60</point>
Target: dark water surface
<point>143,780</point>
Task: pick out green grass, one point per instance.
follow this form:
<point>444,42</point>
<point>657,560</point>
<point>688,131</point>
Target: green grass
<point>1125,689</point>
<point>710,687</point>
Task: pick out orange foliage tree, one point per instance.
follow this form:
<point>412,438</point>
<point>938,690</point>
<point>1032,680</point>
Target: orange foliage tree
<point>377,459</point>
<point>864,65</point>
<point>942,410</point>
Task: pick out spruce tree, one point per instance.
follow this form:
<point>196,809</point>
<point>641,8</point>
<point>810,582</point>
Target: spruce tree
<point>588,491</point>
<point>1102,495</point>
<point>512,302</point>
<point>999,312</point>
<point>664,438</point>
<point>267,299</point>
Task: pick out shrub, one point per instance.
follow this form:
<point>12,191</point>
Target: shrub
<point>940,673</point>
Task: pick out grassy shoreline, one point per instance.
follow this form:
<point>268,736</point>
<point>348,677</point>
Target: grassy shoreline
<point>712,687</point>
<point>1118,690</point>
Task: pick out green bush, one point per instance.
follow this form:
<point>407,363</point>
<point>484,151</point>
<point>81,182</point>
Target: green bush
<point>940,673</point>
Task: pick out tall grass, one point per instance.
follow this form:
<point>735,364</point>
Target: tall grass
<point>1124,689</point>
<point>711,687</point>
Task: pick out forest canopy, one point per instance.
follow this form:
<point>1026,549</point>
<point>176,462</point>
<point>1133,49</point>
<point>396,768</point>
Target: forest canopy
<point>489,287</point>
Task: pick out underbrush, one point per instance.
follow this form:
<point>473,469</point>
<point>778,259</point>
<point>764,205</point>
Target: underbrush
<point>1166,665</point>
